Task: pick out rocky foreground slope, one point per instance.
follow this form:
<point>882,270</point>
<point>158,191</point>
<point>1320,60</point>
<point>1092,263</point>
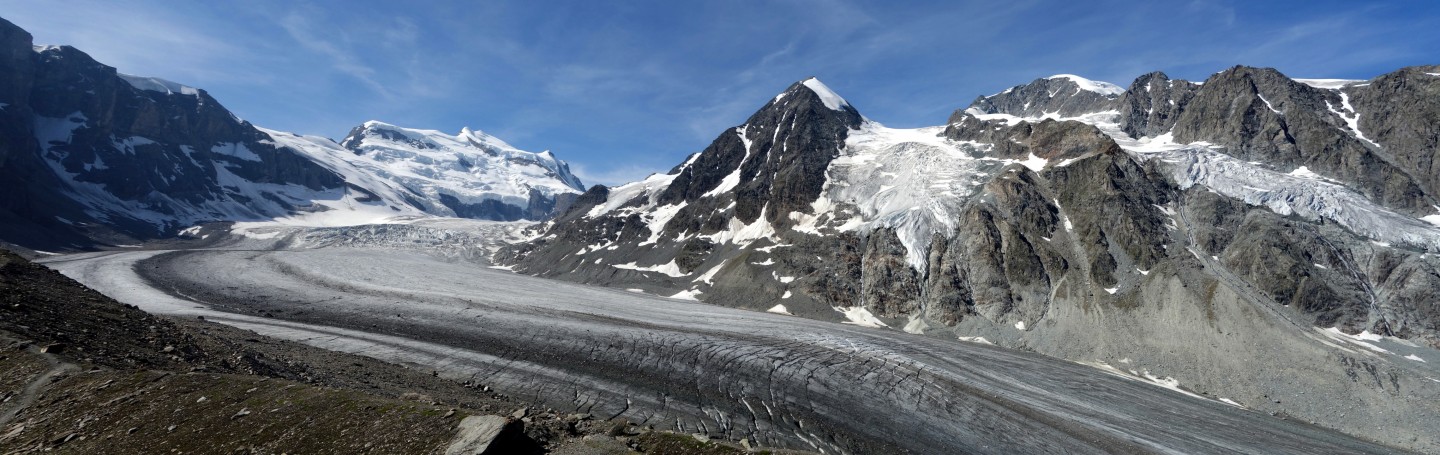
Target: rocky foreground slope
<point>1256,238</point>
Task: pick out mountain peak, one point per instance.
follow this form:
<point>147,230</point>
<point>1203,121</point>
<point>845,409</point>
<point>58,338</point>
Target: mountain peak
<point>1101,87</point>
<point>831,99</point>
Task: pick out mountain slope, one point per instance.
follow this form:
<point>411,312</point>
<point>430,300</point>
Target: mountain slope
<point>89,152</point>
<point>1178,233</point>
<point>90,155</point>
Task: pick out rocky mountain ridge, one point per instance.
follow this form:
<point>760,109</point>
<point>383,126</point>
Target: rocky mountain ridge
<point>1215,235</point>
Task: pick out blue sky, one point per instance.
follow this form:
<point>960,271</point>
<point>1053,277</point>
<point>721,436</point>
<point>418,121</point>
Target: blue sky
<point>624,88</point>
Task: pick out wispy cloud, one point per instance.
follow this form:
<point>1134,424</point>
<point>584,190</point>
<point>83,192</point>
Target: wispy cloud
<point>310,35</point>
<point>1212,8</point>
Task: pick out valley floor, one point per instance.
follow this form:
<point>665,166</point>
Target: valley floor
<point>776,380</point>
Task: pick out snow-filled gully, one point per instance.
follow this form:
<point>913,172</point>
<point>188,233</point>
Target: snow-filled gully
<point>776,379</point>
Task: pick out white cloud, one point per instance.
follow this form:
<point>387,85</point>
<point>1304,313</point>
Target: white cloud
<point>308,34</point>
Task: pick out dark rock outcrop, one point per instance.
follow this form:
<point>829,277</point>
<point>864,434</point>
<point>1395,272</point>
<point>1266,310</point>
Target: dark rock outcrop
<point>781,153</point>
<point>757,174</point>
<point>1152,104</point>
<point>1400,111</point>
<point>1063,95</point>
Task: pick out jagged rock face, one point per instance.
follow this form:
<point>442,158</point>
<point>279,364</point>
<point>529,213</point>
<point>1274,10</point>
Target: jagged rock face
<point>469,175</point>
<point>1260,115</point>
<point>889,286</point>
<point>1078,223</point>
<point>172,128</point>
<point>1333,277</point>
<point>1152,104</point>
<point>91,147</point>
<point>1048,139</point>
<point>779,157</point>
<point>1063,95</point>
<point>18,65</point>
<point>1401,112</point>
<point>663,232</point>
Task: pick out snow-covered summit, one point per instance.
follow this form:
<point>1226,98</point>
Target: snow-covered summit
<point>471,174</point>
<point>155,84</point>
<point>827,96</point>
<point>472,151</point>
<point>1064,95</point>
<point>1101,87</point>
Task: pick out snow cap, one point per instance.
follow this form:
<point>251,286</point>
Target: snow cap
<point>827,96</point>
<point>1101,87</point>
